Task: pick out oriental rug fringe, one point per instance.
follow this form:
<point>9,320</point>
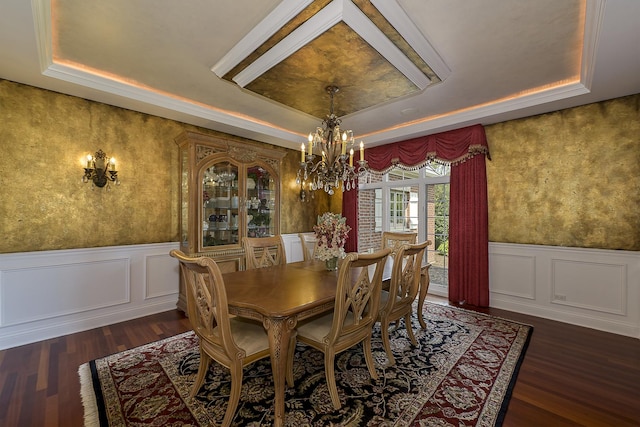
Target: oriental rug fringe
<point>461,374</point>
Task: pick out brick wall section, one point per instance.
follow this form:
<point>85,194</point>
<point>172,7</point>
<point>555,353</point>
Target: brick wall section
<point>367,236</point>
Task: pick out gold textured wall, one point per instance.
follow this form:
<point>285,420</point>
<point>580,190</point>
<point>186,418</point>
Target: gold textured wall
<point>43,203</point>
<point>568,178</point>
<point>297,216</point>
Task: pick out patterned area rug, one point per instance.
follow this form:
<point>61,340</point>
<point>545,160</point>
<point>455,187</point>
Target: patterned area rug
<point>461,374</point>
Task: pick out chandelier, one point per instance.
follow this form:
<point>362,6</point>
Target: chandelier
<point>334,168</point>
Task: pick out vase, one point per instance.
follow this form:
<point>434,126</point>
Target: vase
<point>331,264</point>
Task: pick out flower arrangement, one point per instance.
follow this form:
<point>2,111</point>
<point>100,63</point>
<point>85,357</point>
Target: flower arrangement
<point>331,233</point>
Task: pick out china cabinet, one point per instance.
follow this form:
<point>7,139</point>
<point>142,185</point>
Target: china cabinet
<point>229,189</point>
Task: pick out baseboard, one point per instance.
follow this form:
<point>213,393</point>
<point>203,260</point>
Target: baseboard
<point>65,327</point>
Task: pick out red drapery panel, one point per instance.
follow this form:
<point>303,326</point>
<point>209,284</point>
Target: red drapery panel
<point>468,238</point>
<point>350,212</point>
<point>469,233</point>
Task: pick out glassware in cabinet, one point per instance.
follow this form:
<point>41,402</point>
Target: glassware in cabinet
<point>220,204</point>
<point>261,202</point>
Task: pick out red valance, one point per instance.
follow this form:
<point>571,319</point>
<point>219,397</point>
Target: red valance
<point>450,147</point>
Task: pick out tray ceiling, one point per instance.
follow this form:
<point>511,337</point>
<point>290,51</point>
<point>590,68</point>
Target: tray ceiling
<point>259,69</point>
<point>340,43</point>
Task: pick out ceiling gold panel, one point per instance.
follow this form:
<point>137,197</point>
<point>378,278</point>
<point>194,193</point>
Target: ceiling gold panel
<point>381,22</point>
<point>338,57</point>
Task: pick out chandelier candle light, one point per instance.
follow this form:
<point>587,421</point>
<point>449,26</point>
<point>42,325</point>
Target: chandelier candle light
<point>334,169</point>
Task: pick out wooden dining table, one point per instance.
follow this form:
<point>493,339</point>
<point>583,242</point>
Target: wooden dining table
<point>279,297</point>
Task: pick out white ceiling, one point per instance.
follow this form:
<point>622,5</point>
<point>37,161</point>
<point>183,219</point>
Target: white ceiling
<point>504,59</point>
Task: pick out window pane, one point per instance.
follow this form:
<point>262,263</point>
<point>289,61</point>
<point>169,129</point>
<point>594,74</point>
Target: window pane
<point>438,233</point>
<point>396,175</point>
<point>403,206</point>
<point>435,170</point>
<point>399,174</point>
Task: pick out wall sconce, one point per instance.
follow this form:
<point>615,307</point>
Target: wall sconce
<point>100,170</point>
<point>305,194</point>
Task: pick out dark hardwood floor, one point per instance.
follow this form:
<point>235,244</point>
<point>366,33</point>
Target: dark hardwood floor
<point>571,376</point>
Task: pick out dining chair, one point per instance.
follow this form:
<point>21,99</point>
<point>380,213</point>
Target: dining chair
<point>231,341</point>
<point>397,302</point>
<point>395,239</point>
<point>352,319</point>
<point>263,251</point>
<point>309,242</point>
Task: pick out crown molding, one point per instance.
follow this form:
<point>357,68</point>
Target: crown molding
<point>474,115</point>
<point>282,14</point>
<point>397,17</point>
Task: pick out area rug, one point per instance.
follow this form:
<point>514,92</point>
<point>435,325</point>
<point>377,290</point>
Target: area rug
<point>460,374</point>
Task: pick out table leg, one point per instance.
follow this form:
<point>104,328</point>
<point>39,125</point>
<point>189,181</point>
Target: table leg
<point>279,331</point>
<point>424,287</point>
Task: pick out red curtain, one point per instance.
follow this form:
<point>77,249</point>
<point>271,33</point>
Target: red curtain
<point>465,149</point>
<point>469,233</point>
<point>350,212</point>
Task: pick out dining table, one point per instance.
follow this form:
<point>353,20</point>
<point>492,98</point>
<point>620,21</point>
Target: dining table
<point>280,296</point>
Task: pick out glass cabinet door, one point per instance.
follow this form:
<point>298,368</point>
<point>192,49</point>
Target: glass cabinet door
<point>220,205</point>
<point>260,202</point>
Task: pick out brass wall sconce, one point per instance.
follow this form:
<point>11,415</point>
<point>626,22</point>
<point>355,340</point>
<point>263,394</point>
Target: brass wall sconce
<point>100,170</point>
<point>305,194</point>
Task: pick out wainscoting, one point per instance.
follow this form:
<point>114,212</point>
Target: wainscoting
<point>596,288</point>
<point>52,293</point>
<point>47,294</point>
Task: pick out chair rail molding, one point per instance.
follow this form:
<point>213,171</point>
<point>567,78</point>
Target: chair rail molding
<point>47,294</point>
<point>595,288</point>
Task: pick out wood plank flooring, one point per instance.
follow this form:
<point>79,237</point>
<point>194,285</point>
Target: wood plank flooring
<point>571,376</point>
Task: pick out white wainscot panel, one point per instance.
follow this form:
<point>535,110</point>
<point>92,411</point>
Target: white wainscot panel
<point>162,274</point>
<point>595,288</point>
<point>589,285</point>
<point>43,292</point>
<point>47,294</point>
<point>513,275</point>
<point>293,247</point>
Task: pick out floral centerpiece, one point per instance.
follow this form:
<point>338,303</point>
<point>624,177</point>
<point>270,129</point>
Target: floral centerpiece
<point>331,232</point>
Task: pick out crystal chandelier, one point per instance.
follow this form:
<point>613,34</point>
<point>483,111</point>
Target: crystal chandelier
<point>334,168</point>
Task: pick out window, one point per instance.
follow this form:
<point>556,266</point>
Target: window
<point>409,201</point>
